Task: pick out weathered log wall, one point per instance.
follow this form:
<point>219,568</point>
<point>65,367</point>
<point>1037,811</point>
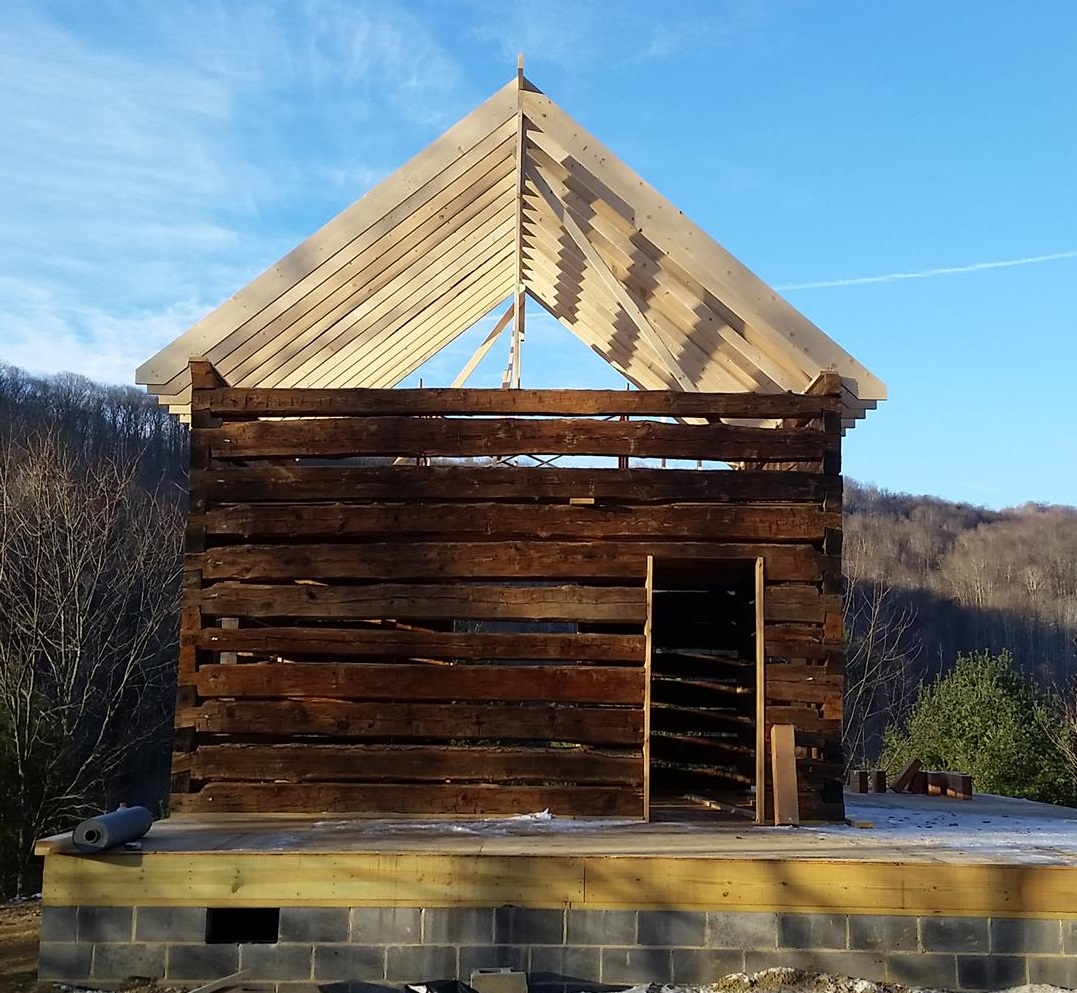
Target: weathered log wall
<point>350,631</point>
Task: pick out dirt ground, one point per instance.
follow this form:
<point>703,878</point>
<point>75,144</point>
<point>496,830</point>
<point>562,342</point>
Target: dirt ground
<point>19,925</point>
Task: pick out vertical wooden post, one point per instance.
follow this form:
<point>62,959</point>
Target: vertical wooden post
<point>760,698</point>
<point>647,634</point>
<point>519,296</point>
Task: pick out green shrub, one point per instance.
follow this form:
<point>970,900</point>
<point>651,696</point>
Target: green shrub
<point>987,718</point>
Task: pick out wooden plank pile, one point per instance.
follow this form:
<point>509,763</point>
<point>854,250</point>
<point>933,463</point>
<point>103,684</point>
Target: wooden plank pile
<point>913,778</point>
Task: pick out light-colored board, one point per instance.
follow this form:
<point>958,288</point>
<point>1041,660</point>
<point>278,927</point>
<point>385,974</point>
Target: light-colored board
<point>711,370</point>
<point>519,298</point>
<point>620,244</point>
<point>368,332</point>
<point>693,248</point>
<point>351,304</point>
<point>481,352</point>
<point>377,278</point>
<point>784,774</point>
<point>477,295</point>
<point>224,983</point>
<point>388,195</point>
<point>605,218</point>
<point>760,693</point>
<point>600,882</point>
<point>628,304</point>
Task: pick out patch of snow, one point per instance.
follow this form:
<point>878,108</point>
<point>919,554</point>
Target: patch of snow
<point>541,821</point>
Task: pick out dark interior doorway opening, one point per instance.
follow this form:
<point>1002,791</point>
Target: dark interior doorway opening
<point>703,701</point>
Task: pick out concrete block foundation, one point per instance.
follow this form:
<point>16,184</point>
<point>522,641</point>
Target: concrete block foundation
<point>319,947</point>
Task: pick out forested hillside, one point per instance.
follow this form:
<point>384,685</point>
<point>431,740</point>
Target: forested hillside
<point>91,519</point>
<point>92,497</point>
<point>929,580</point>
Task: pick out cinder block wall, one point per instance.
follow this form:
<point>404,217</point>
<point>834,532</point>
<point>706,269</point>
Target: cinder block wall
<point>320,948</point>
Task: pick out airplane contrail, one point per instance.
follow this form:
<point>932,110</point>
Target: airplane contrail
<point>927,273</point>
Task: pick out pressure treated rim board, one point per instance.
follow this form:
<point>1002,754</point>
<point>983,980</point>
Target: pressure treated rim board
<point>606,882</point>
<point>516,199</point>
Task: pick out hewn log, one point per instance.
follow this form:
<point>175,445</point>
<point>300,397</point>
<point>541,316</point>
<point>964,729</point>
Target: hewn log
<point>458,799</point>
<point>310,763</point>
<point>523,559</point>
<point>374,642</point>
<point>805,718</point>
<point>404,436</point>
<point>427,402</point>
<point>498,521</point>
<point>795,648</point>
<point>545,683</point>
<point>799,604</point>
<point>255,483</point>
<point>594,725</point>
<point>802,684</point>
<point>615,604</point>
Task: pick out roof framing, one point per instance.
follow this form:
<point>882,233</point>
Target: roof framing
<point>515,200</point>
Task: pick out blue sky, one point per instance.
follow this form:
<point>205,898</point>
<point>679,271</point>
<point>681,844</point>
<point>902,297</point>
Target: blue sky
<point>156,156</point>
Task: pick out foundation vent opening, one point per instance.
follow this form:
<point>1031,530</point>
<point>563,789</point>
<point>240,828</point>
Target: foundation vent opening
<point>242,925</point>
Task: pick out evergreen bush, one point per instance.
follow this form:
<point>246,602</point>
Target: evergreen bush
<point>987,718</point>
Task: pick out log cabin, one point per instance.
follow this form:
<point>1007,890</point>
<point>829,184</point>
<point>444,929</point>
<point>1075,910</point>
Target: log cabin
<point>455,602</point>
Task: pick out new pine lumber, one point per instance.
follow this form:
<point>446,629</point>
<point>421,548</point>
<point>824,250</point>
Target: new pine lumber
<point>784,774</point>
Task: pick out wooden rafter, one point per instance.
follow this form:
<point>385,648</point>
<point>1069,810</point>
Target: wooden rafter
<point>515,200</point>
<point>623,297</point>
<point>481,351</point>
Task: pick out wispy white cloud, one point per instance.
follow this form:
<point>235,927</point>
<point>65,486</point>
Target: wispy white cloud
<point>47,331</point>
<point>154,157</point>
<point>587,34</point>
<point>894,277</point>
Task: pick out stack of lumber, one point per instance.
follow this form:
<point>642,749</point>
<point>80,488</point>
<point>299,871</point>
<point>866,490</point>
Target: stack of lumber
<point>913,778</point>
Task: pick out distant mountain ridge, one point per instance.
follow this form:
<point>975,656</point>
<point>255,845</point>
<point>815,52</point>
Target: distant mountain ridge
<point>977,578</point>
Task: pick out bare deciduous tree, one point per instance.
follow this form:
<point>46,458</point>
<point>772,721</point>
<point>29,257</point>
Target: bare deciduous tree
<point>89,565</point>
<point>882,648</point>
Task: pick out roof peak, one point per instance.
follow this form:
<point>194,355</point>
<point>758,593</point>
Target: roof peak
<point>515,199</point>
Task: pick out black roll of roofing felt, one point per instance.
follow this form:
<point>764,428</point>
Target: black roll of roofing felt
<point>109,830</point>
